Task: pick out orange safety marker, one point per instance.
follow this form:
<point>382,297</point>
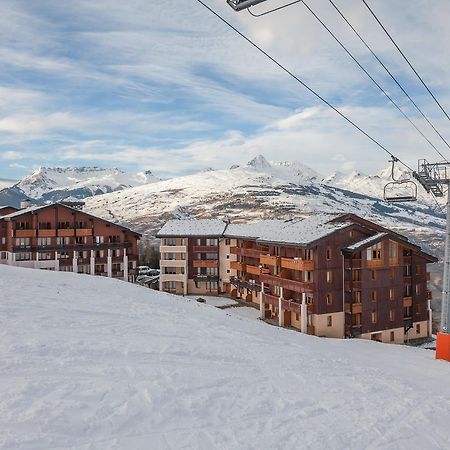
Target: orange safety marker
<point>443,346</point>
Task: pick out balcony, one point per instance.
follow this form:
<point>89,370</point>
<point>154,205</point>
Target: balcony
<point>236,265</point>
<point>204,249</point>
<point>254,270</point>
<point>205,263</point>
<point>297,264</point>
<point>407,302</point>
<point>66,232</point>
<point>46,233</point>
<point>269,260</point>
<point>270,300</point>
<point>290,285</point>
<point>83,232</point>
<point>172,277</point>
<point>356,308</point>
<point>172,263</point>
<point>245,284</point>
<point>173,249</point>
<point>372,263</point>
<point>290,306</point>
<point>352,285</point>
<point>249,252</point>
<point>356,263</point>
<point>25,233</point>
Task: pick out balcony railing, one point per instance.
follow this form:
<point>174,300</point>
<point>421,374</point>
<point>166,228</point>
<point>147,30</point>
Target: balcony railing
<point>236,265</point>
<point>205,263</point>
<point>297,264</point>
<point>25,233</point>
<point>205,249</point>
<point>269,260</point>
<point>356,263</point>
<point>249,252</point>
<point>291,285</point>
<point>254,270</point>
<point>290,306</point>
<point>407,302</point>
<point>270,300</point>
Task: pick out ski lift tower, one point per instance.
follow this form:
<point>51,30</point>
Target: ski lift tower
<point>434,177</point>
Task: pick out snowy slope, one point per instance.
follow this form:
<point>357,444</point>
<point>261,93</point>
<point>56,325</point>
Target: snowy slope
<point>53,184</point>
<point>93,363</point>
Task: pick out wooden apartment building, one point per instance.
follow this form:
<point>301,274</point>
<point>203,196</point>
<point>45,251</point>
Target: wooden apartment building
<point>58,237</point>
<point>327,275</point>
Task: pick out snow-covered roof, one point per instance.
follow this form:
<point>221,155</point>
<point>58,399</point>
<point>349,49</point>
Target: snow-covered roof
<point>252,230</point>
<point>24,211</point>
<point>305,231</point>
<point>193,227</point>
<point>367,241</point>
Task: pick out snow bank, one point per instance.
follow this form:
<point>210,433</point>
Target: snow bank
<point>94,363</point>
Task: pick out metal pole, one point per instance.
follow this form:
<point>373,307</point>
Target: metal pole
<point>445,313</point>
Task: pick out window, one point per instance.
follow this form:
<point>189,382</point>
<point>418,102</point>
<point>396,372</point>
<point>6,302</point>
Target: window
<point>374,252</point>
<point>171,241</point>
<point>307,276</point>
<point>328,252</point>
<point>297,317</point>
<point>351,233</point>
<point>374,317</point>
<point>211,285</point>
<point>329,276</point>
<point>44,256</point>
<point>391,315</point>
<point>43,242</point>
<point>407,290</point>
<point>212,242</point>
<point>228,270</point>
<point>407,270</point>
<point>99,239</point>
<point>356,296</point>
<point>418,328</point>
<point>418,269</point>
<point>373,274</point>
<point>392,337</point>
<point>66,240</point>
<point>356,319</point>
<point>417,289</point>
<point>356,275</point>
<point>308,254</point>
<point>418,308</point>
<point>23,256</point>
<point>393,246</point>
<point>391,294</point>
<point>199,242</point>
<point>329,321</point>
<point>374,296</point>
<point>211,256</point>
<point>329,299</point>
<point>22,242</point>
<point>407,311</point>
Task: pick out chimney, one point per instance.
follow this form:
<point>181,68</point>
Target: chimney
<point>25,204</point>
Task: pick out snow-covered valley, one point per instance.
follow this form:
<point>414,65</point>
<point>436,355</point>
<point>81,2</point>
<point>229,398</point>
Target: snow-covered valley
<point>95,363</point>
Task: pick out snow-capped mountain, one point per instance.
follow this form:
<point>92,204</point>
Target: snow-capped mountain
<point>5,183</point>
<point>54,184</point>
<point>260,190</point>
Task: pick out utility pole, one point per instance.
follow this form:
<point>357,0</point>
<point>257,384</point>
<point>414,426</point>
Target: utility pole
<point>434,178</point>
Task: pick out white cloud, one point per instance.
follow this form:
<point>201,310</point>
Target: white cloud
<point>11,155</point>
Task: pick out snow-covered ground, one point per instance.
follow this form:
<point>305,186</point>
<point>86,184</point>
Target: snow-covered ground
<point>93,363</point>
<point>214,301</point>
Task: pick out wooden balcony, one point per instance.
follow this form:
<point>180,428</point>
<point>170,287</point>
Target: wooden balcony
<point>66,232</point>
<point>254,270</point>
<point>46,233</point>
<point>356,308</point>
<point>83,232</point>
<point>290,306</point>
<point>249,252</point>
<point>407,259</point>
<point>407,302</point>
<point>372,263</point>
<point>270,300</point>
<point>297,264</point>
<point>269,260</point>
<point>205,263</point>
<point>291,285</point>
<point>205,249</point>
<point>236,265</point>
<point>25,233</point>
<point>393,262</point>
<point>356,263</point>
<point>352,286</point>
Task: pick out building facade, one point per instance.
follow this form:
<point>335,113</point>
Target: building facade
<point>58,237</point>
<point>328,275</point>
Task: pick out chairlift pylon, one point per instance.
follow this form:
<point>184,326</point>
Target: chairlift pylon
<point>407,189</point>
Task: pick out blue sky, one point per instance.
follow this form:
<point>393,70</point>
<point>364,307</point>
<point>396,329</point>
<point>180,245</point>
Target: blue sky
<point>165,86</point>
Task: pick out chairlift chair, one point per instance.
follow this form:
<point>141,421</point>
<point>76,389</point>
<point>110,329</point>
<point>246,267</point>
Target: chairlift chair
<point>406,191</point>
<point>239,5</point>
<point>406,188</point>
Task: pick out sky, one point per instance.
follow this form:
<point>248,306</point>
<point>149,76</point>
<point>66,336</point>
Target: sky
<point>167,87</point>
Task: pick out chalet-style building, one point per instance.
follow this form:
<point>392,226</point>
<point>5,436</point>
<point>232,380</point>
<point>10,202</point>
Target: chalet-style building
<point>328,275</point>
<point>58,237</point>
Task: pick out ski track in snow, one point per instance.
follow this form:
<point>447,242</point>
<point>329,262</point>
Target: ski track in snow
<point>94,363</point>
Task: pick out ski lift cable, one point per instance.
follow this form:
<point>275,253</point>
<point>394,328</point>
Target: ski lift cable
<point>389,73</point>
<point>311,90</point>
<point>406,59</point>
<point>371,78</point>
